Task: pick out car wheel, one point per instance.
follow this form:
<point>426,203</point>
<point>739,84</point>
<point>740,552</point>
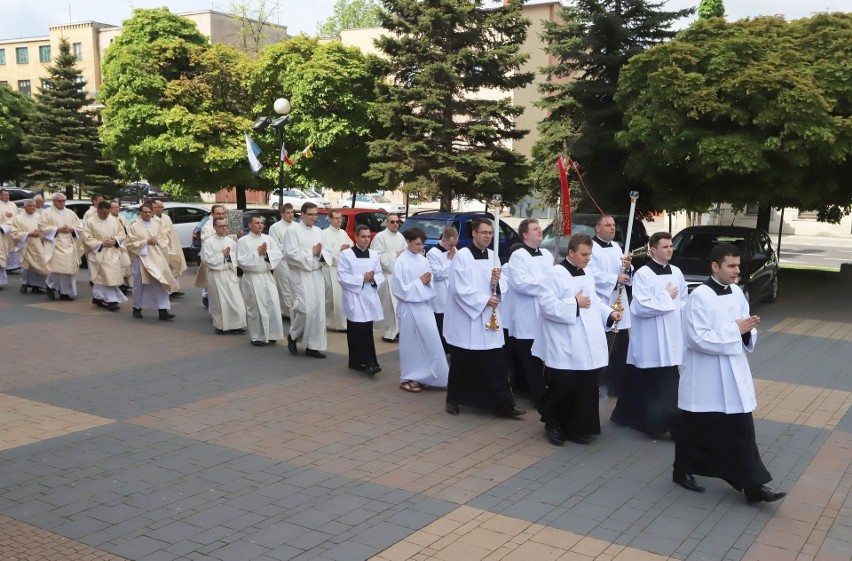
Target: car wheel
<point>773,291</point>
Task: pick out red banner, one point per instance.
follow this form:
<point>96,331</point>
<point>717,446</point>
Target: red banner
<point>566,199</point>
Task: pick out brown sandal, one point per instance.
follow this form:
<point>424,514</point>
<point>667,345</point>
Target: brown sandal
<point>409,386</point>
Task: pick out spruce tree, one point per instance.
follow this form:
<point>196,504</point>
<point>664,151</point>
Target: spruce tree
<point>444,137</point>
<point>65,151</point>
<point>590,45</point>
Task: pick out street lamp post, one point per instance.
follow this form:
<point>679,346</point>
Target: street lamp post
<point>282,108</point>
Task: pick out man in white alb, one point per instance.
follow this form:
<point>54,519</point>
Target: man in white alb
<point>257,256</point>
<point>103,237</point>
<point>440,258</point>
<point>147,244</point>
<point>334,240</point>
<point>219,255</point>
<point>27,238</point>
<point>175,256</point>
<point>283,279</point>
<point>389,244</point>
<point>60,233</point>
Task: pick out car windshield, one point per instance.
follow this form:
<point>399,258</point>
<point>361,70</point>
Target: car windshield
<point>432,228</point>
<point>699,245</point>
<point>130,214</point>
<point>381,199</point>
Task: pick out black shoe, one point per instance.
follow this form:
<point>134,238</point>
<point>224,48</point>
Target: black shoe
<point>177,294</point>
<point>452,408</point>
<point>206,303</point>
<point>165,315</point>
<point>36,290</point>
<point>359,367</point>
<point>555,436</point>
<point>580,439</point>
<point>314,354</point>
<point>219,331</point>
<point>98,303</point>
<point>65,297</point>
<point>258,343</point>
<point>271,342</point>
<point>137,313</point>
<point>51,293</point>
<point>239,331</point>
<point>514,413</point>
<point>24,289</point>
<point>687,481</point>
<point>373,370</point>
<point>91,283</point>
<point>291,345</point>
<point>762,494</point>
<point>113,306</point>
<point>386,340</point>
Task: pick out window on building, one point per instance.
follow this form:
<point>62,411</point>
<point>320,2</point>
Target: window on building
<point>4,83</point>
<point>24,87</point>
<point>22,55</point>
<point>44,53</point>
<point>77,49</point>
<point>2,56</point>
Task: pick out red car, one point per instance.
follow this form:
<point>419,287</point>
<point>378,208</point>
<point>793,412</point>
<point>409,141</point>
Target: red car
<point>352,217</point>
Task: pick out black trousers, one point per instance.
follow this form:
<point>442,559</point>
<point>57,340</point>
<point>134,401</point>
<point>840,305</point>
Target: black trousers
<point>529,369</point>
<point>615,373</point>
<point>648,400</point>
<point>362,346</point>
<point>439,319</point>
<point>479,378</point>
<point>720,445</point>
<point>571,401</point>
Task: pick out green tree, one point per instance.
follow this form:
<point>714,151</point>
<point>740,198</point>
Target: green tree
<point>350,14</point>
<point>332,91</point>
<point>15,111</point>
<point>444,137</point>
<point>63,149</point>
<point>176,107</point>
<point>711,9</point>
<point>754,111</point>
<point>254,18</point>
<point>589,46</point>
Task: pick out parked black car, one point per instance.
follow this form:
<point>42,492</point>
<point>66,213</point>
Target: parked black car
<point>270,217</point>
<point>585,224</point>
<point>18,194</point>
<point>138,192</point>
<point>759,270</point>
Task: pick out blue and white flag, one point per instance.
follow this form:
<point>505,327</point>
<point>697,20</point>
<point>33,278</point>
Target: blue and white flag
<point>253,152</point>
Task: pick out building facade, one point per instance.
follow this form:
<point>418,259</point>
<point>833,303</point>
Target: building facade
<point>24,62</point>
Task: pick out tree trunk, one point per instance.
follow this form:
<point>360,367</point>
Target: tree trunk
<point>241,197</point>
<point>763,214</point>
<point>446,200</point>
<point>69,192</point>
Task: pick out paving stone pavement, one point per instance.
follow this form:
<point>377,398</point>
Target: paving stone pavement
<point>152,441</point>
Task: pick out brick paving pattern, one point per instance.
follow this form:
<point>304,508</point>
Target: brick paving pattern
<point>144,440</point>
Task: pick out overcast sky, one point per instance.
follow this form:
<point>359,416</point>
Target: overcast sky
<point>29,18</point>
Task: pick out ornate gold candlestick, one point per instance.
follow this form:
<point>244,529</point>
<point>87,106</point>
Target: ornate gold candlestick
<point>492,321</point>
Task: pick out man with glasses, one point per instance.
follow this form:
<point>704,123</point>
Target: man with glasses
<point>389,244</point>
<point>478,375</point>
<point>257,256</point>
<point>147,244</point>
<point>219,255</point>
<point>27,238</point>
<point>335,240</point>
<point>61,230</point>
<point>305,255</point>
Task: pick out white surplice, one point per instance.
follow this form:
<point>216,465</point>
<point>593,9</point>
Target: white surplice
<point>656,340</point>
<point>715,375</point>
<point>606,265</point>
<point>61,250</point>
<point>387,244</point>
<point>31,250</point>
<point>283,279</point>
<point>528,269</point>
<point>421,354</point>
<point>263,311</point>
<point>566,340</point>
<point>361,301</point>
<point>226,300</point>
<point>332,240</point>
<point>307,317</point>
<point>467,312</point>
<point>439,263</point>
<point>177,261</point>
<point>12,257</point>
<point>152,277</point>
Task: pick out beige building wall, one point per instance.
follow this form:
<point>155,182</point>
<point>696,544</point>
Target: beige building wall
<point>91,39</point>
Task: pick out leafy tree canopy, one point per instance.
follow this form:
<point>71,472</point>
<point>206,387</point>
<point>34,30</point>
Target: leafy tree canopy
<point>176,107</point>
<point>332,93</point>
<point>350,14</point>
<point>711,9</point>
<point>444,136</point>
<point>745,112</point>
<point>63,149</point>
<point>15,111</point>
